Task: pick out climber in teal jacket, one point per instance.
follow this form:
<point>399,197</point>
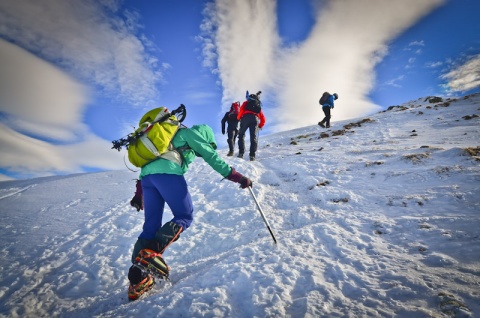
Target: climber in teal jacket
<point>162,181</point>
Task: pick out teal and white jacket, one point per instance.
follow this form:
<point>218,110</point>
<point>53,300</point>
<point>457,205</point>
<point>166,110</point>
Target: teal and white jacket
<point>197,141</point>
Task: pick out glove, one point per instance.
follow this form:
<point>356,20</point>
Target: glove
<point>137,203</point>
<point>223,132</point>
<point>239,178</point>
<point>137,200</point>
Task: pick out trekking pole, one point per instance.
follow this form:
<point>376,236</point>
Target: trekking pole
<point>263,215</point>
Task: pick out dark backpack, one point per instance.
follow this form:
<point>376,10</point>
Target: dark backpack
<point>253,104</point>
<point>324,98</point>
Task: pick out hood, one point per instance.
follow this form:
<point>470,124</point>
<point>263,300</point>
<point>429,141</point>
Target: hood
<point>207,133</point>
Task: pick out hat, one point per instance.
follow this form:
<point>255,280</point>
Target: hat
<point>335,95</point>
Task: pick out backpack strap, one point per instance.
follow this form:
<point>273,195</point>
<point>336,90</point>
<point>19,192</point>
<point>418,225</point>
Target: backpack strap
<point>175,154</point>
<point>172,154</point>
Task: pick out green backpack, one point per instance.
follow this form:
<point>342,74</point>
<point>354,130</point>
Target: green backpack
<point>156,131</point>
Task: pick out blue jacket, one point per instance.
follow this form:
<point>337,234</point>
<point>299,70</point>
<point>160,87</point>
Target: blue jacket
<point>329,102</point>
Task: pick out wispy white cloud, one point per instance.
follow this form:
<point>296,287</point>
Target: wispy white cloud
<point>37,98</point>
<point>85,39</point>
<point>433,64</point>
<point>47,107</point>
<point>417,43</point>
<point>410,62</point>
<point>415,47</point>
<point>30,157</point>
<point>464,77</point>
<point>339,55</point>
<point>42,107</point>
<point>394,82</point>
<point>240,42</point>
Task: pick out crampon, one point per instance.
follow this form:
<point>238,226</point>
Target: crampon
<point>135,292</point>
<point>151,262</point>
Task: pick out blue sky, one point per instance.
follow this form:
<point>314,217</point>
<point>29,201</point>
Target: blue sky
<point>78,74</point>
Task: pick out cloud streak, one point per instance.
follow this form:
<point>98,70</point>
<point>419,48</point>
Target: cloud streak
<point>48,104</point>
<point>86,40</point>
<point>30,157</point>
<point>240,43</point>
<point>465,77</point>
<point>42,108</point>
<point>46,107</point>
<point>338,56</point>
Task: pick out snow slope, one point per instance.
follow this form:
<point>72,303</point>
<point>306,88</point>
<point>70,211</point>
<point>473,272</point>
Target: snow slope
<point>375,217</point>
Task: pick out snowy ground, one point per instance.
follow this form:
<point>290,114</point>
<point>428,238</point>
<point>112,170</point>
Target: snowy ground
<point>377,217</point>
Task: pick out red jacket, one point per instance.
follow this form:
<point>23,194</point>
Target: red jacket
<point>260,115</point>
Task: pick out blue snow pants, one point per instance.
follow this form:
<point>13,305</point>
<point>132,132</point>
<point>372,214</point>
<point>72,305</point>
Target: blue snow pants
<point>159,189</point>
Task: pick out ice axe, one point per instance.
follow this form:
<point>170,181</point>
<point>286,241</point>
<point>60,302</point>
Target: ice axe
<point>263,215</point>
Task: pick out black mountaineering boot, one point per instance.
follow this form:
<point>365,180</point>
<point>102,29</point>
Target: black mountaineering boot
<point>140,282</point>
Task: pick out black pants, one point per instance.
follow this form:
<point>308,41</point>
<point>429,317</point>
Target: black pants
<point>248,121</point>
<point>326,119</point>
<point>231,136</point>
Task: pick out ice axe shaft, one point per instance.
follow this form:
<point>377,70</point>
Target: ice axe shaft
<point>263,215</point>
